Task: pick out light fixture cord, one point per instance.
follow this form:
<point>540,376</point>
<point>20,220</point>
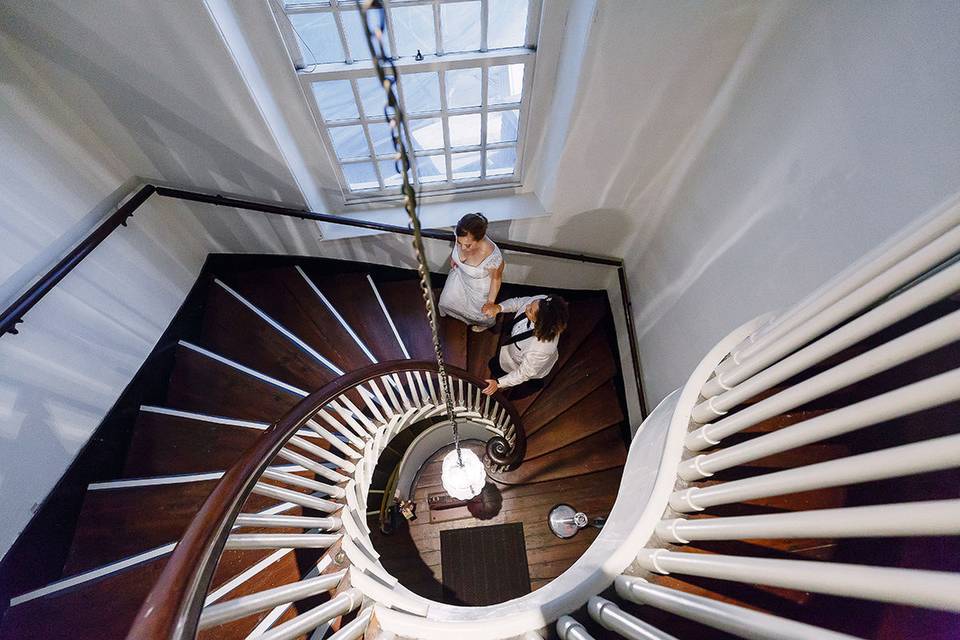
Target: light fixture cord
<point>382,63</point>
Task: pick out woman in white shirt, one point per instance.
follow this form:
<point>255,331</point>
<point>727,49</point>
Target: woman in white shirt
<point>476,273</point>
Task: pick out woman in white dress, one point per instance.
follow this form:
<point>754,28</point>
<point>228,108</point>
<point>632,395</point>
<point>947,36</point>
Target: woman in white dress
<point>476,272</point>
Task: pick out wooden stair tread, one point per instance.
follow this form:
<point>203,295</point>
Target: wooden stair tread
<point>167,445</point>
<point>103,609</point>
<point>355,300</point>
<point>585,316</point>
<point>591,366</point>
<point>119,523</point>
<point>288,569</point>
<point>232,330</point>
<point>601,451</point>
<point>204,385</point>
<point>284,295</point>
<point>170,445</point>
<point>481,347</point>
<point>595,412</point>
<point>453,339</point>
<point>404,302</point>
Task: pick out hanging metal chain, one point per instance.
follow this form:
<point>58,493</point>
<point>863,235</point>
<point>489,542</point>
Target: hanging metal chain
<point>387,74</point>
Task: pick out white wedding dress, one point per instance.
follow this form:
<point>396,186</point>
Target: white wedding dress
<point>467,287</point>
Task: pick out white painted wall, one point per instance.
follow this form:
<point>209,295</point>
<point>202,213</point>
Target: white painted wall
<point>841,126</point>
<point>90,98</point>
<point>81,345</point>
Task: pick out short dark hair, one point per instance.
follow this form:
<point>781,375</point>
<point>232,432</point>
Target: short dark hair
<point>552,316</point>
<point>473,223</point>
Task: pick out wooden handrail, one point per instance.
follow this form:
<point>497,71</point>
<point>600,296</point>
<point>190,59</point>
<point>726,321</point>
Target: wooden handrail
<point>172,608</point>
<point>13,314</point>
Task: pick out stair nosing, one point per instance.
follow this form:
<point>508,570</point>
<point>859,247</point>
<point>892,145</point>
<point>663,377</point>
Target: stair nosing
<point>116,566</point>
<point>179,478</point>
<point>289,335</point>
<point>221,420</point>
<point>336,314</point>
<point>386,313</point>
<point>244,369</point>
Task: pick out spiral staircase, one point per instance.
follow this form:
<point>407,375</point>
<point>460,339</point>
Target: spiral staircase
<point>803,483</point>
<point>267,336</point>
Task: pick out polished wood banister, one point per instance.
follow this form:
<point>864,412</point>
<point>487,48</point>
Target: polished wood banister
<point>173,606</point>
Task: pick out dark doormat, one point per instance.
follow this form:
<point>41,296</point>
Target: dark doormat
<point>484,565</point>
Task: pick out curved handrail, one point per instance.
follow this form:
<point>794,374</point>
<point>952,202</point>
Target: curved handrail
<point>173,606</point>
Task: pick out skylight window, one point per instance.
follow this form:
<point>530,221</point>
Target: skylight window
<point>465,67</point>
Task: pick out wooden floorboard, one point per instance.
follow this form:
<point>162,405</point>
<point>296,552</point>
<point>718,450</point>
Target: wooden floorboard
<point>413,554</point>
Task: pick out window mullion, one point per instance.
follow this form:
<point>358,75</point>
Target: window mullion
<point>445,120</point>
<point>484,80</point>
<point>390,34</point>
<point>343,33</point>
<point>409,140</point>
<point>531,33</point>
<point>437,27</point>
<point>366,133</point>
<point>484,23</point>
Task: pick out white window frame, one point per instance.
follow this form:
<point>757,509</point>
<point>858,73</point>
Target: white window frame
<point>353,70</point>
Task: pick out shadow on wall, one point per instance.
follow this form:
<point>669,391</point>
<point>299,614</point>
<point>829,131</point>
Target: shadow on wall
<point>172,135</point>
<point>599,232</point>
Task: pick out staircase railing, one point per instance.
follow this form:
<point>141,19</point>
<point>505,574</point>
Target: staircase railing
<point>15,312</point>
<point>396,394</point>
<point>897,306</point>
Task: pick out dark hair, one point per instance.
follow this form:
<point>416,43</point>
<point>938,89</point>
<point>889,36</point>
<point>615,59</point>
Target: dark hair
<point>473,223</point>
<point>552,316</point>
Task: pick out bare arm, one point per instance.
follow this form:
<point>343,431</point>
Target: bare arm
<point>496,279</point>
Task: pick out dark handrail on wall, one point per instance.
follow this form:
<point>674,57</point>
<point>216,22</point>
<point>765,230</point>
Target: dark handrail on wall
<point>173,606</point>
<point>13,314</point>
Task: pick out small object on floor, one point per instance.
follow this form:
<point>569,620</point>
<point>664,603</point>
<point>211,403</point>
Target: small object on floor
<point>408,508</point>
<point>565,521</point>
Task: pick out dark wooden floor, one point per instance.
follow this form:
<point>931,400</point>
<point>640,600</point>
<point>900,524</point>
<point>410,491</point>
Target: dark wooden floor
<point>413,553</point>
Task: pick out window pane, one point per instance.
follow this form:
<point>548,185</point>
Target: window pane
<point>372,97</point>
<point>501,162</point>
<point>360,176</point>
<point>465,165</point>
<point>335,99</point>
<point>356,38</point>
<point>465,130</point>
<point>421,92</point>
<point>427,133</point>
<point>431,168</point>
<point>463,88</point>
<point>319,38</point>
<point>391,177</point>
<point>413,29</point>
<point>349,142</point>
<point>382,140</point>
<point>502,126</point>
<point>505,84</point>
<point>461,26</point>
<point>507,23</point>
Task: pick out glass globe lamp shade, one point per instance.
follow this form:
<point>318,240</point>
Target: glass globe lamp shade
<point>463,481</point>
